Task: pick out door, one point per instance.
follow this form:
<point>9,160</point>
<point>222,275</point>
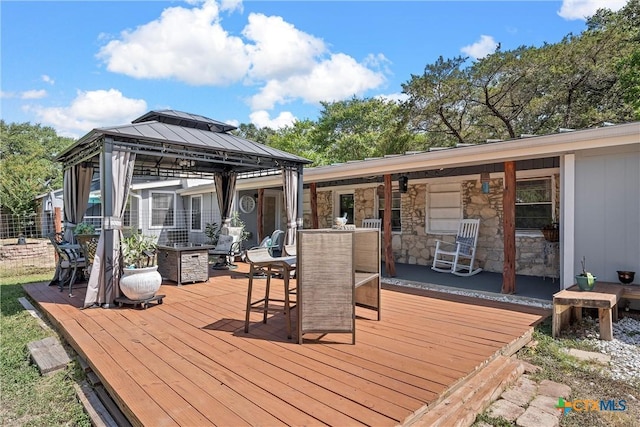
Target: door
<point>273,217</point>
<point>345,205</point>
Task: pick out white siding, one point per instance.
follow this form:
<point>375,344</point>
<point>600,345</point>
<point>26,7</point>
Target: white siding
<point>607,214</point>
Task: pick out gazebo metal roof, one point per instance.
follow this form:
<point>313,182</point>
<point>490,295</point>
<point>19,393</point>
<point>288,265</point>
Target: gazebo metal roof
<point>174,143</point>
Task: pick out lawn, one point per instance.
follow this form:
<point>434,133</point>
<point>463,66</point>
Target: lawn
<point>27,398</point>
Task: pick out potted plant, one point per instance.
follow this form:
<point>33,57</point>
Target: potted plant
<point>586,281</point>
<point>140,279</point>
<point>84,228</point>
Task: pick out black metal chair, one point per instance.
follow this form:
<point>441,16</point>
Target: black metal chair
<point>70,260</point>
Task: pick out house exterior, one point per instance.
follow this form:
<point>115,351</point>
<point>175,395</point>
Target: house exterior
<point>587,182</point>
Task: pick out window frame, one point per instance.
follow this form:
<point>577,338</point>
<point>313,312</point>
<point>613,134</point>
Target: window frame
<point>380,207</point>
<point>459,208</point>
<point>551,203</point>
<point>172,208</point>
<point>191,200</point>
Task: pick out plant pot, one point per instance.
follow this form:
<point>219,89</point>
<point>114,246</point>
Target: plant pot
<point>140,284</point>
<point>626,277</point>
<point>584,284</point>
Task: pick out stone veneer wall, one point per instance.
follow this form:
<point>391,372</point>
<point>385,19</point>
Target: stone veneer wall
<point>534,256</point>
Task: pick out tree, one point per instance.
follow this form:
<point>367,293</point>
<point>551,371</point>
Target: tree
<point>438,102</point>
<point>27,164</point>
<point>360,128</point>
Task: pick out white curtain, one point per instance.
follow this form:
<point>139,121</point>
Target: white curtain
<point>76,187</point>
<point>225,188</point>
<point>103,286</point>
<point>290,185</point>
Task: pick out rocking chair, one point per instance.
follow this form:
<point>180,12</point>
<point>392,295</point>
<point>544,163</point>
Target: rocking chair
<point>458,257</point>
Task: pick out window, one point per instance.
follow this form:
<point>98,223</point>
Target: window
<point>444,207</point>
<point>533,203</point>
<point>345,206</point>
<point>196,213</point>
<point>396,202</point>
<point>163,209</point>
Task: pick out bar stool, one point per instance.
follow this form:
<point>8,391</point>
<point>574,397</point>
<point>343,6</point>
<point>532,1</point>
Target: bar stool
<point>261,261</point>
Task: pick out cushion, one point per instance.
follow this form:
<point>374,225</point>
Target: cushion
<point>466,244</point>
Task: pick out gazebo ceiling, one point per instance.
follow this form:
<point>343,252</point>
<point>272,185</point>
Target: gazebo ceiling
<point>174,143</point>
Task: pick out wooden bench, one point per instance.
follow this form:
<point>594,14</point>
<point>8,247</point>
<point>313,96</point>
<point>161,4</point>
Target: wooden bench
<point>604,297</point>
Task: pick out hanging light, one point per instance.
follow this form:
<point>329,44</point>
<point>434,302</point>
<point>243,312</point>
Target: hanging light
<point>485,177</point>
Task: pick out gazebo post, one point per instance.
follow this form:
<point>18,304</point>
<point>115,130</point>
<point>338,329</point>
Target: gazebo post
<point>107,213</point>
<point>299,218</point>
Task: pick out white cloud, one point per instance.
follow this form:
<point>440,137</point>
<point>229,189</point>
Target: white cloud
<point>7,95</point>
<point>262,119</point>
<point>395,97</point>
<point>582,9</point>
<point>280,50</point>
<point>47,79</point>
<point>279,61</point>
<point>334,79</point>
<point>89,110</point>
<point>33,94</point>
<point>481,48</point>
<point>184,44</point>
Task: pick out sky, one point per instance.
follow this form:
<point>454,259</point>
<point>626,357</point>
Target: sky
<point>80,65</point>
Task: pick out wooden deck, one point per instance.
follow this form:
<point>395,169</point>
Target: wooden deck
<point>188,361</point>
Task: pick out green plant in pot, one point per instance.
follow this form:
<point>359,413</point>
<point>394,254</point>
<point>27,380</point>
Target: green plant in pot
<point>84,228</point>
<point>586,281</point>
<point>140,280</point>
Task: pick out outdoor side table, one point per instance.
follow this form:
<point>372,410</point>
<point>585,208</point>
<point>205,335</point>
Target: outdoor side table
<point>603,297</point>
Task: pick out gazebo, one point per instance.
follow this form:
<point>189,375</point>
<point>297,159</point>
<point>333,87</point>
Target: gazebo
<point>164,143</point>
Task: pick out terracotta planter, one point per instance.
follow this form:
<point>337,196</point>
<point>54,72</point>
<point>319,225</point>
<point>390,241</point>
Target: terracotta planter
<point>139,284</point>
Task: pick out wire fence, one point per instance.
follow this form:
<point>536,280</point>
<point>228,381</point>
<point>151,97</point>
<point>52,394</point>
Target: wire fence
<point>25,246</point>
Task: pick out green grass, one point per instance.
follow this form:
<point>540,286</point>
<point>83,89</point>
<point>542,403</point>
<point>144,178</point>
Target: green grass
<point>587,381</point>
<point>29,399</point>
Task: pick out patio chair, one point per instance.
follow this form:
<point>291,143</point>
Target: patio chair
<point>263,264</point>
<point>458,257</point>
<point>228,247</point>
<point>88,245</point>
<point>372,223</point>
<point>70,260</point>
<point>274,243</point>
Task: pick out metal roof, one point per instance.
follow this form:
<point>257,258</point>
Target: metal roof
<point>173,143</point>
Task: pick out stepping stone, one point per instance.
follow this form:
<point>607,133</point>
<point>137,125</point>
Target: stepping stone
<point>589,356</point>
<point>553,389</point>
<point>505,409</point>
<point>48,354</point>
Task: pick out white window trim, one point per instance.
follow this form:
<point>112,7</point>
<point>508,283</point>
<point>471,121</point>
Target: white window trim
<point>394,189</point>
<point>191,213</point>
<point>336,201</point>
<point>522,232</point>
<point>428,204</point>
<point>157,227</point>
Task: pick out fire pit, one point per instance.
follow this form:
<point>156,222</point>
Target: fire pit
<point>184,262</point>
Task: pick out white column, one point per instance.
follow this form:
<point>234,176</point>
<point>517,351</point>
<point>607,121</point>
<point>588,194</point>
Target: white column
<point>567,222</point>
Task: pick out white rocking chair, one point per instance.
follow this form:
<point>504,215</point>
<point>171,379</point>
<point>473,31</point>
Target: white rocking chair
<point>458,258</point>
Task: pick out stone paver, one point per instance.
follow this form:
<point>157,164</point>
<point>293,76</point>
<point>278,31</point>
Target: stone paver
<point>505,409</point>
<point>590,356</point>
<point>521,392</point>
<point>553,389</point>
<point>535,417</point>
<point>546,404</point>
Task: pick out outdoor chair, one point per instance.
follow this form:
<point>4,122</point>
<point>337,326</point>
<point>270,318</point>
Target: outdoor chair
<point>88,245</point>
<point>273,243</point>
<point>372,223</point>
<point>228,247</point>
<point>458,257</point>
<point>70,260</point>
<point>262,264</point>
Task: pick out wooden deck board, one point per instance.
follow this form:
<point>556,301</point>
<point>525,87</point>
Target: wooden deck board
<point>189,362</point>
